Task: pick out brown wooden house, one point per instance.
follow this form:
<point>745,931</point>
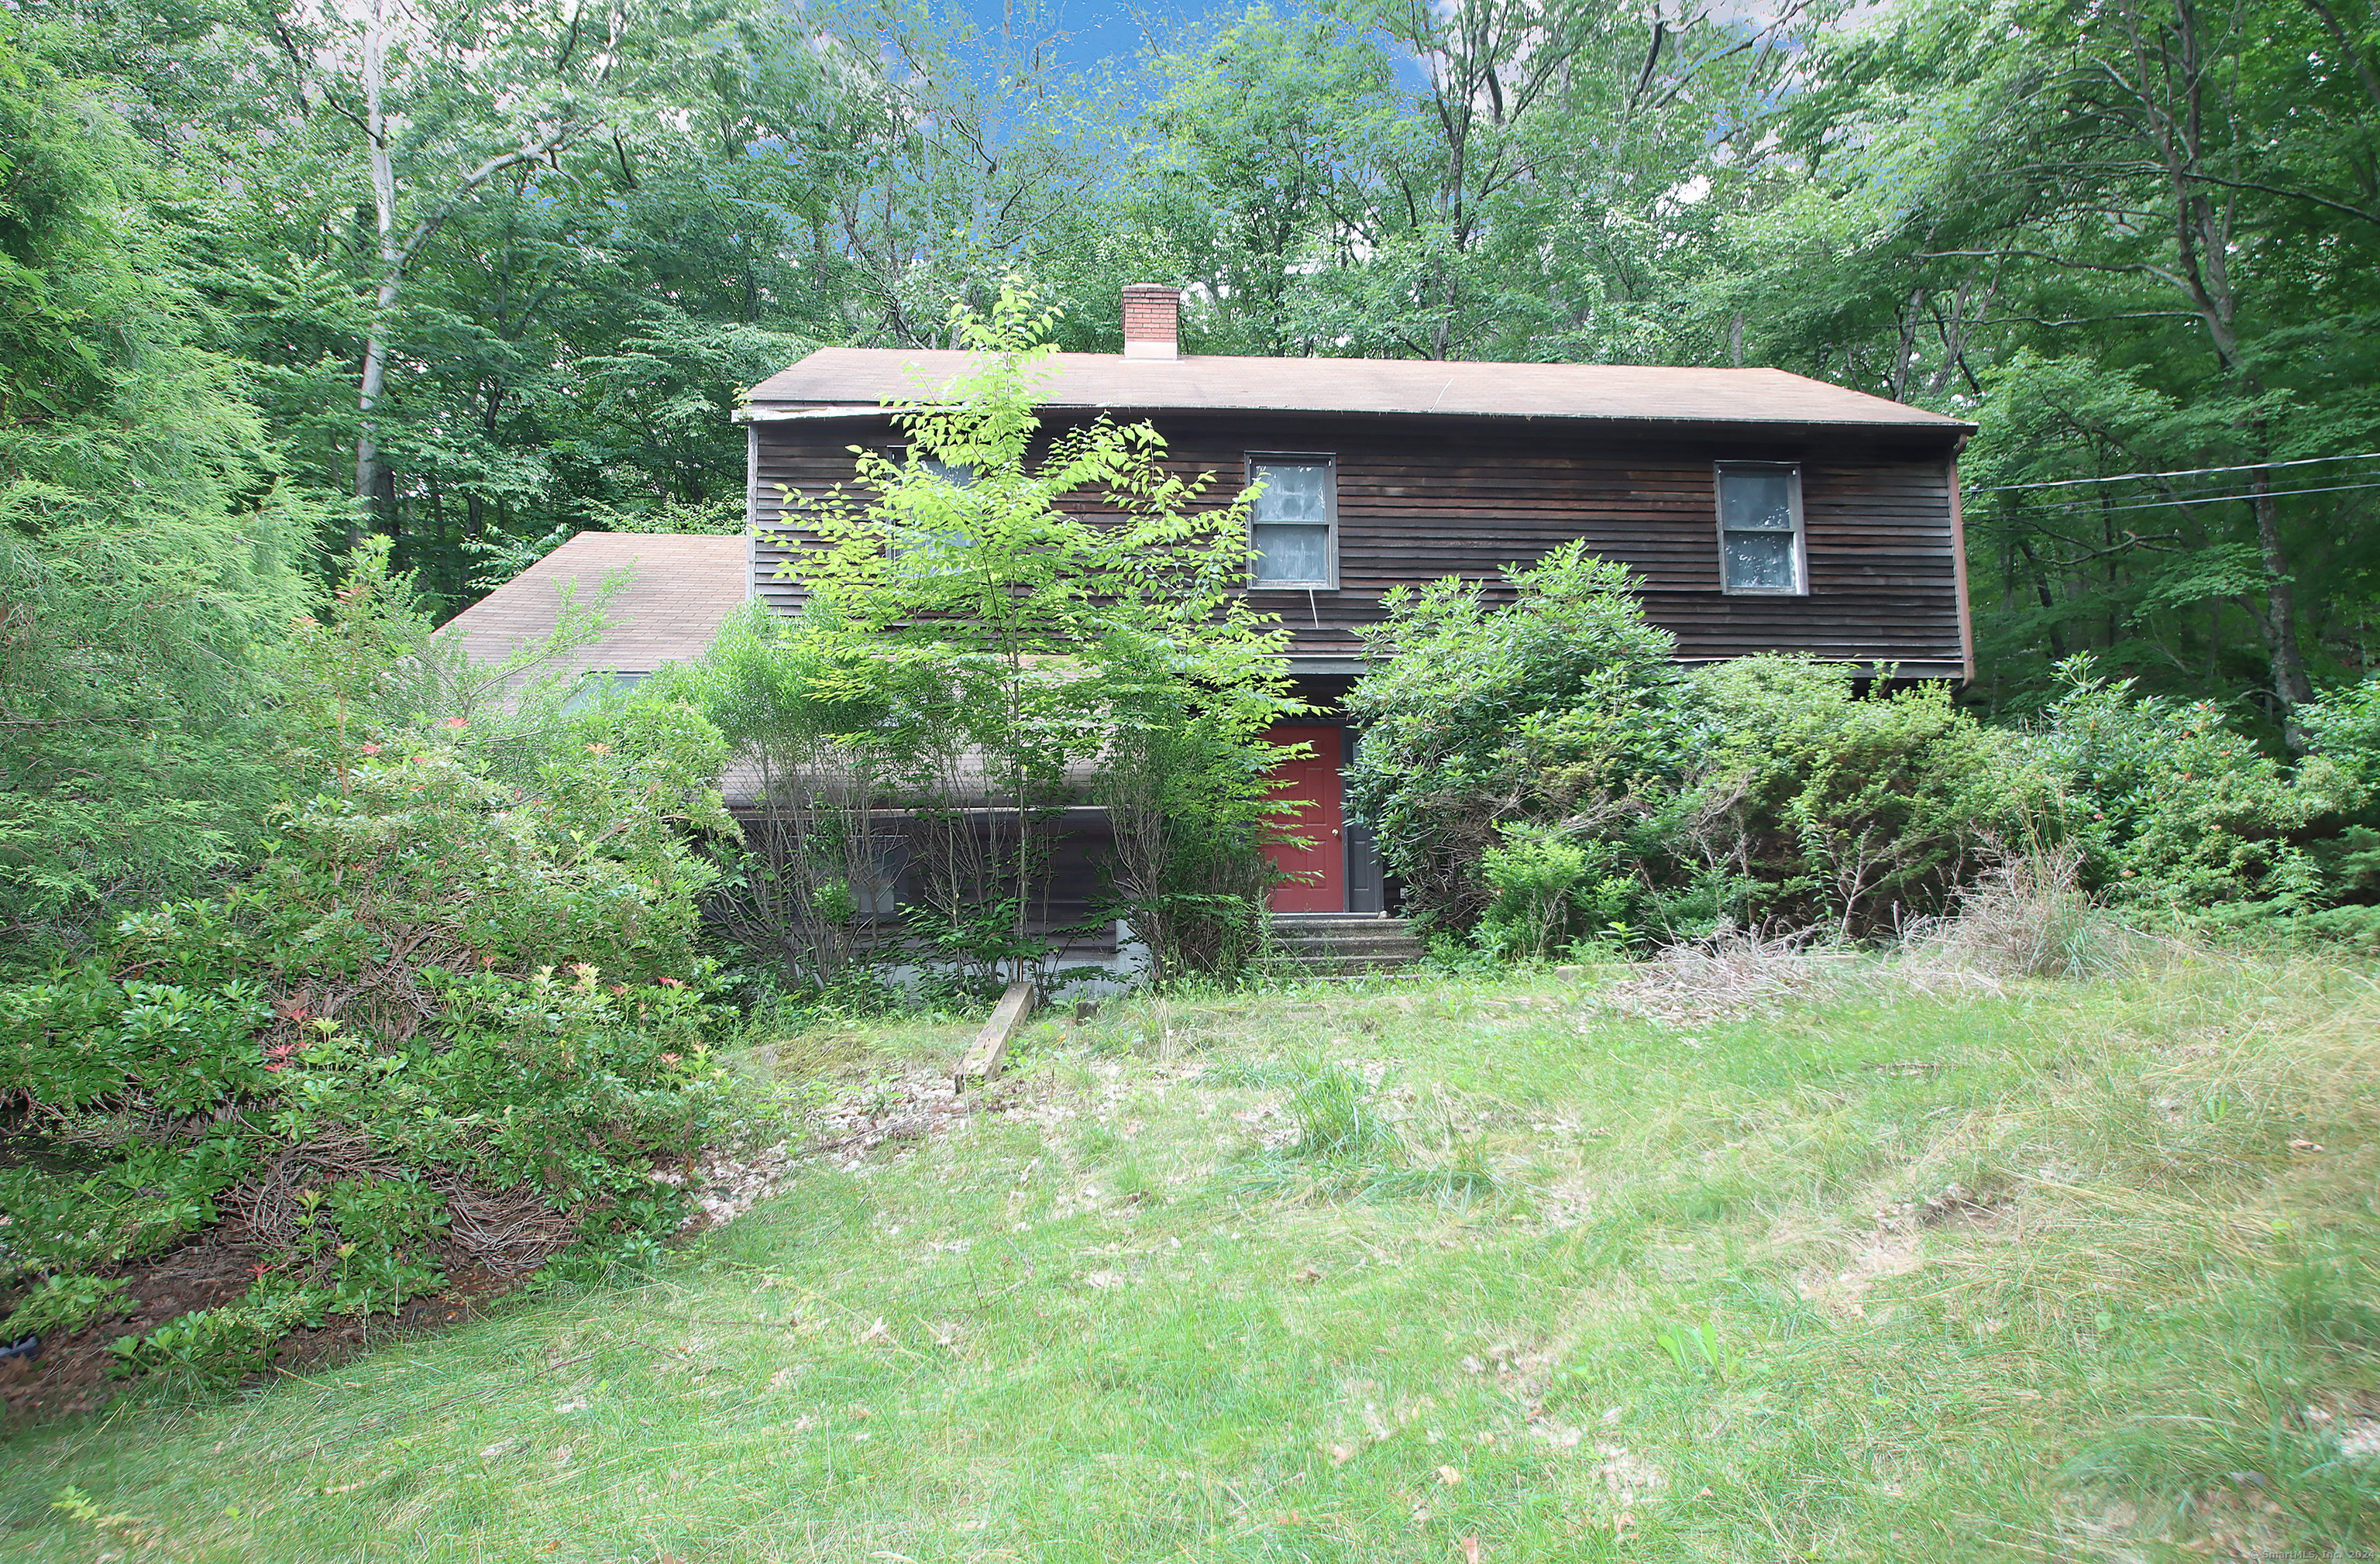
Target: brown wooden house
<point>1759,509</point>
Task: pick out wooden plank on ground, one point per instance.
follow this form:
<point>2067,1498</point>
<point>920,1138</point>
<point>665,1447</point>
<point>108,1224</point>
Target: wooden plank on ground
<point>985,1056</point>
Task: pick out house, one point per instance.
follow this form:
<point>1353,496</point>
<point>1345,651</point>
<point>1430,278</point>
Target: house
<point>1760,510</point>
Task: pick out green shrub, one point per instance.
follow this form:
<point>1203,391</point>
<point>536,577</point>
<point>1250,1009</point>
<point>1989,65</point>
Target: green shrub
<point>1534,874</point>
<point>1540,771</point>
<point>1824,804</point>
<point>2176,810</point>
<point>445,1013</point>
<point>1552,707</point>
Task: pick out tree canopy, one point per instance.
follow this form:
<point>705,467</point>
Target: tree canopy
<point>476,278</point>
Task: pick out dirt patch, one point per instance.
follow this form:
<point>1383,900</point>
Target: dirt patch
<point>75,1373</point>
<point>1886,1253</point>
<point>901,1110</point>
<point>2353,1423</point>
<point>2235,1518</point>
<point>1894,1247</point>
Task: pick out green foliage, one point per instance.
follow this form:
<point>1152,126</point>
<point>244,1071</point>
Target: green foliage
<point>1827,803</point>
<point>1534,874</point>
<point>365,1039</point>
<point>1186,780</point>
<point>977,635</point>
<point>1538,770</point>
<point>1550,708</point>
<point>148,549</point>
<point>2188,816</point>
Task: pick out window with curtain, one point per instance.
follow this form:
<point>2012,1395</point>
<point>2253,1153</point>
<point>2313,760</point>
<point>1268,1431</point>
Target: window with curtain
<point>1760,527</point>
<point>1294,523</point>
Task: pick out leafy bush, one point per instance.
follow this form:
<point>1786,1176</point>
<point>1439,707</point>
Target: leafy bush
<point>445,1017</point>
<point>2177,811</point>
<point>1534,874</point>
<point>1554,706</point>
<point>149,554</point>
<point>1540,771</point>
<point>1826,804</point>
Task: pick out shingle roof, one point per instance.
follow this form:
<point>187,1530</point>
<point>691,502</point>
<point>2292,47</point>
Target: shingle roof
<point>679,590</point>
<point>844,380</point>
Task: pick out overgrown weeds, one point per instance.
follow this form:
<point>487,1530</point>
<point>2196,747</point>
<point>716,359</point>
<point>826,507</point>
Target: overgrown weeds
<point>2078,1267</point>
<point>2026,917</point>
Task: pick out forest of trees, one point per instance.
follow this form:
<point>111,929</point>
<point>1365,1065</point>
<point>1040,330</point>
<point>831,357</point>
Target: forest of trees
<point>475,276</point>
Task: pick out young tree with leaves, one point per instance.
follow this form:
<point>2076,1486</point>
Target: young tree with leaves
<point>1044,596</point>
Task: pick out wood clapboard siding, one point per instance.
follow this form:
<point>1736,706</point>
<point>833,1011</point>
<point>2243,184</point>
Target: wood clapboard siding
<point>1424,497</point>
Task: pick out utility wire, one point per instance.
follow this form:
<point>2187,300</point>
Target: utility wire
<point>2188,500</point>
<point>2187,472</point>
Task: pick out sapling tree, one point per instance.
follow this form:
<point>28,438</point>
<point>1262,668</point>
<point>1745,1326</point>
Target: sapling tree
<point>1048,598</point>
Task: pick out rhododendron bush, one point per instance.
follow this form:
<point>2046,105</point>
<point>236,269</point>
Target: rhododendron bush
<point>449,1020</point>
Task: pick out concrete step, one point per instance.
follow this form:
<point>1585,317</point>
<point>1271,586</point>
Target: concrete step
<point>1331,944</point>
<point>1349,964</point>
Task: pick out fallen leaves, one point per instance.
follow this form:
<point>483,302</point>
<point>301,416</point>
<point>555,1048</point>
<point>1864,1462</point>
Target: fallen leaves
<point>1448,1475</point>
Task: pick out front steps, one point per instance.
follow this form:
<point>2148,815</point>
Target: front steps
<point>1343,944</point>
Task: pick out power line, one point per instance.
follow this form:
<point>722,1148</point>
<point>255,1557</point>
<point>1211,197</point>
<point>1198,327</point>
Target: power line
<point>2208,499</point>
<point>2187,472</point>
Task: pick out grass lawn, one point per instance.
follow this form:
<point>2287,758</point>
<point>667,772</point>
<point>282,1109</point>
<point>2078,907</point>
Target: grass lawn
<point>1886,1269</point>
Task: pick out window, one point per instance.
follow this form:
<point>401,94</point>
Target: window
<point>879,894</point>
<point>1294,529</point>
<point>927,546</point>
<point>1760,527</point>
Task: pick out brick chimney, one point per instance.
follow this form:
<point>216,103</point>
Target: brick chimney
<point>1152,321</point>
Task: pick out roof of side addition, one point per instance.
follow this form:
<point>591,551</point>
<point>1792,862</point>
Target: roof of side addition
<point>679,590</point>
<point>848,381</point>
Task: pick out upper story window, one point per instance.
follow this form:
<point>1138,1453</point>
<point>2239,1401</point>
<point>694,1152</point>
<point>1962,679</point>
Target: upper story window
<point>1294,529</point>
<point>1760,546</point>
<point>930,544</point>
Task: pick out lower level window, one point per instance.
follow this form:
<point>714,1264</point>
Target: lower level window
<point>1760,544</point>
<point>879,892</point>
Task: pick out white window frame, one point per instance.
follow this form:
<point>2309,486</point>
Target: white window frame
<point>1329,463</point>
<point>1792,471</point>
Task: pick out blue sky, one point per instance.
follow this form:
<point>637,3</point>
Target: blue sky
<point>1086,34</point>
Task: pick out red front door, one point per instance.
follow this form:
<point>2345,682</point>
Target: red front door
<point>1319,869</point>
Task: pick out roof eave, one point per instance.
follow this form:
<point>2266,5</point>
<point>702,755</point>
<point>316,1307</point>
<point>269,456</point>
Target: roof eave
<point>772,413</point>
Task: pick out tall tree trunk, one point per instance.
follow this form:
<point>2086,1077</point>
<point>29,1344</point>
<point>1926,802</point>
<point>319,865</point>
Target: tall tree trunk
<point>2290,680</point>
<point>375,485</point>
<point>2203,236</point>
